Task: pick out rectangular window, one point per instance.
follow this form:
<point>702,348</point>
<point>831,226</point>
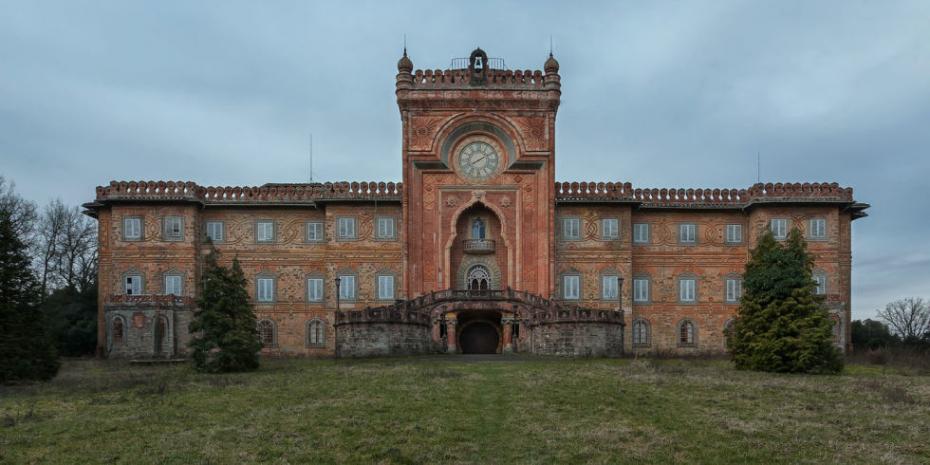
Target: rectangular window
<point>640,290</point>
<point>133,285</point>
<point>347,287</point>
<point>314,289</point>
<point>385,228</point>
<point>385,287</point>
<point>817,229</point>
<point>734,233</point>
<point>265,289</point>
<point>686,290</point>
<point>173,284</point>
<point>264,231</point>
<point>571,229</point>
<point>315,231</point>
<point>779,228</point>
<point>345,228</point>
<point>641,233</point>
<point>610,229</point>
<point>571,287</point>
<point>132,228</point>
<point>687,233</point>
<point>734,290</point>
<point>215,231</point>
<point>173,228</point>
<point>609,287</point>
<point>821,280</point>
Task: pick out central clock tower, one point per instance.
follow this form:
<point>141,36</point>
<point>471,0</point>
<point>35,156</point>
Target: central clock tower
<point>478,172</point>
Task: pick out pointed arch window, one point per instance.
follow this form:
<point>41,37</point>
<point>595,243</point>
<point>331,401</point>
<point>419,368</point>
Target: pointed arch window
<point>478,229</point>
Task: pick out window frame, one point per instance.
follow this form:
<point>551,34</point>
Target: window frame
<point>681,229</point>
<point>612,278</point>
<point>392,221</point>
<point>820,289</point>
<point>322,289</point>
<point>258,230</point>
<point>638,240</point>
<point>393,279</point>
<point>641,322</point>
<point>206,231</point>
<point>681,281</point>
<point>782,221</point>
<point>133,274</point>
<point>738,291</point>
<point>616,229</point>
<point>321,342</point>
<point>694,333</point>
<point>647,281</point>
<point>739,233</point>
<point>316,224</point>
<point>258,289</point>
<point>274,333</point>
<point>342,286</point>
<point>811,229</point>
<point>172,275</point>
<point>165,236</point>
<point>564,286</point>
<point>114,341</point>
<point>350,220</point>
<point>141,235</point>
<point>563,221</point>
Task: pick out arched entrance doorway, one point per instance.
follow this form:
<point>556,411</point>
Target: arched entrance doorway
<point>479,337</point>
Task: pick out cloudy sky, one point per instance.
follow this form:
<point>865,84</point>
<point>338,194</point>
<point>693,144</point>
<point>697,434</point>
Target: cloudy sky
<point>661,94</point>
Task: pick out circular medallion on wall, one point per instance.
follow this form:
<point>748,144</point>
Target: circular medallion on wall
<point>478,159</point>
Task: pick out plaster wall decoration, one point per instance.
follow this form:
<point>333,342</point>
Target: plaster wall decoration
<point>534,131</point>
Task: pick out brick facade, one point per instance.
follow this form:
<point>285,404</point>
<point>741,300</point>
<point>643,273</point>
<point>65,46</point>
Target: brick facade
<point>421,236</point>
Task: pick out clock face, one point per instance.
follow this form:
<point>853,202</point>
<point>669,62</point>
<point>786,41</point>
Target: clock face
<point>478,160</point>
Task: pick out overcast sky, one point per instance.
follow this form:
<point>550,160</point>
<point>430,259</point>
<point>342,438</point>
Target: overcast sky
<point>661,94</point>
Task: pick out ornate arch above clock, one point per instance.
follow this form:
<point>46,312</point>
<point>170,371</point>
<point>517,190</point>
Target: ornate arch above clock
<point>467,129</point>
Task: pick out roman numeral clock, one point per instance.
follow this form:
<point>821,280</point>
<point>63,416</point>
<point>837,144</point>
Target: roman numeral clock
<point>478,161</point>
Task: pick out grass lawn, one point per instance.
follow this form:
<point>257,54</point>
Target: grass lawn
<point>464,410</point>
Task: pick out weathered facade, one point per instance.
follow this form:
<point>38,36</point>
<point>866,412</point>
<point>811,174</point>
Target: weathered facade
<point>479,249</point>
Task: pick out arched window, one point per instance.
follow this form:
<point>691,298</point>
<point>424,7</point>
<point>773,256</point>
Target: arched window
<point>686,333</point>
<point>727,331</point>
<point>478,229</point>
<point>161,335</point>
<point>641,333</point>
<point>316,333</point>
<point>117,331</point>
<point>266,333</point>
<point>837,330</point>
<point>479,278</point>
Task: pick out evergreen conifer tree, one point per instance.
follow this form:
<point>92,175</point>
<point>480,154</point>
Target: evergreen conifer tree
<point>782,325</point>
<point>26,351</point>
<point>227,339</point>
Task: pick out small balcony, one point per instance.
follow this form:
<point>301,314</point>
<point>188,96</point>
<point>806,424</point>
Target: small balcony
<point>478,246</point>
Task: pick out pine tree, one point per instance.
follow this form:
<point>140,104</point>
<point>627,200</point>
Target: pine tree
<point>227,338</point>
<point>26,351</point>
<point>782,325</point>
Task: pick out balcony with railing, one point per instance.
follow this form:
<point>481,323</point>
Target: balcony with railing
<point>478,246</point>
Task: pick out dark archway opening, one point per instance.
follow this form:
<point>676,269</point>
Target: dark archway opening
<point>480,337</point>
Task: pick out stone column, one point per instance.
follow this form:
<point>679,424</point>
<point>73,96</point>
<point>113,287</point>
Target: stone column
<point>508,334</point>
<point>436,332</point>
<point>450,336</point>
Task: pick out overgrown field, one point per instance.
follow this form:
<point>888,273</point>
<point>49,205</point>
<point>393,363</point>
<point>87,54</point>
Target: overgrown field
<point>462,410</point>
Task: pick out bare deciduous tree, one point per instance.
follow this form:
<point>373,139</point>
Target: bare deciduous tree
<point>908,318</point>
<point>22,212</point>
<point>66,248</point>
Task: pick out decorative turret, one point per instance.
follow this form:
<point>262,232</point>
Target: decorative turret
<point>552,65</point>
<point>404,67</point>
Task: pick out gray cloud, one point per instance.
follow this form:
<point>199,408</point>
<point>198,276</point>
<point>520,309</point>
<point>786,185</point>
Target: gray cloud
<point>659,94</point>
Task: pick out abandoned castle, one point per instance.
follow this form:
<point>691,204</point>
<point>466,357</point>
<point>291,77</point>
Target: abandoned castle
<point>478,250</point>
